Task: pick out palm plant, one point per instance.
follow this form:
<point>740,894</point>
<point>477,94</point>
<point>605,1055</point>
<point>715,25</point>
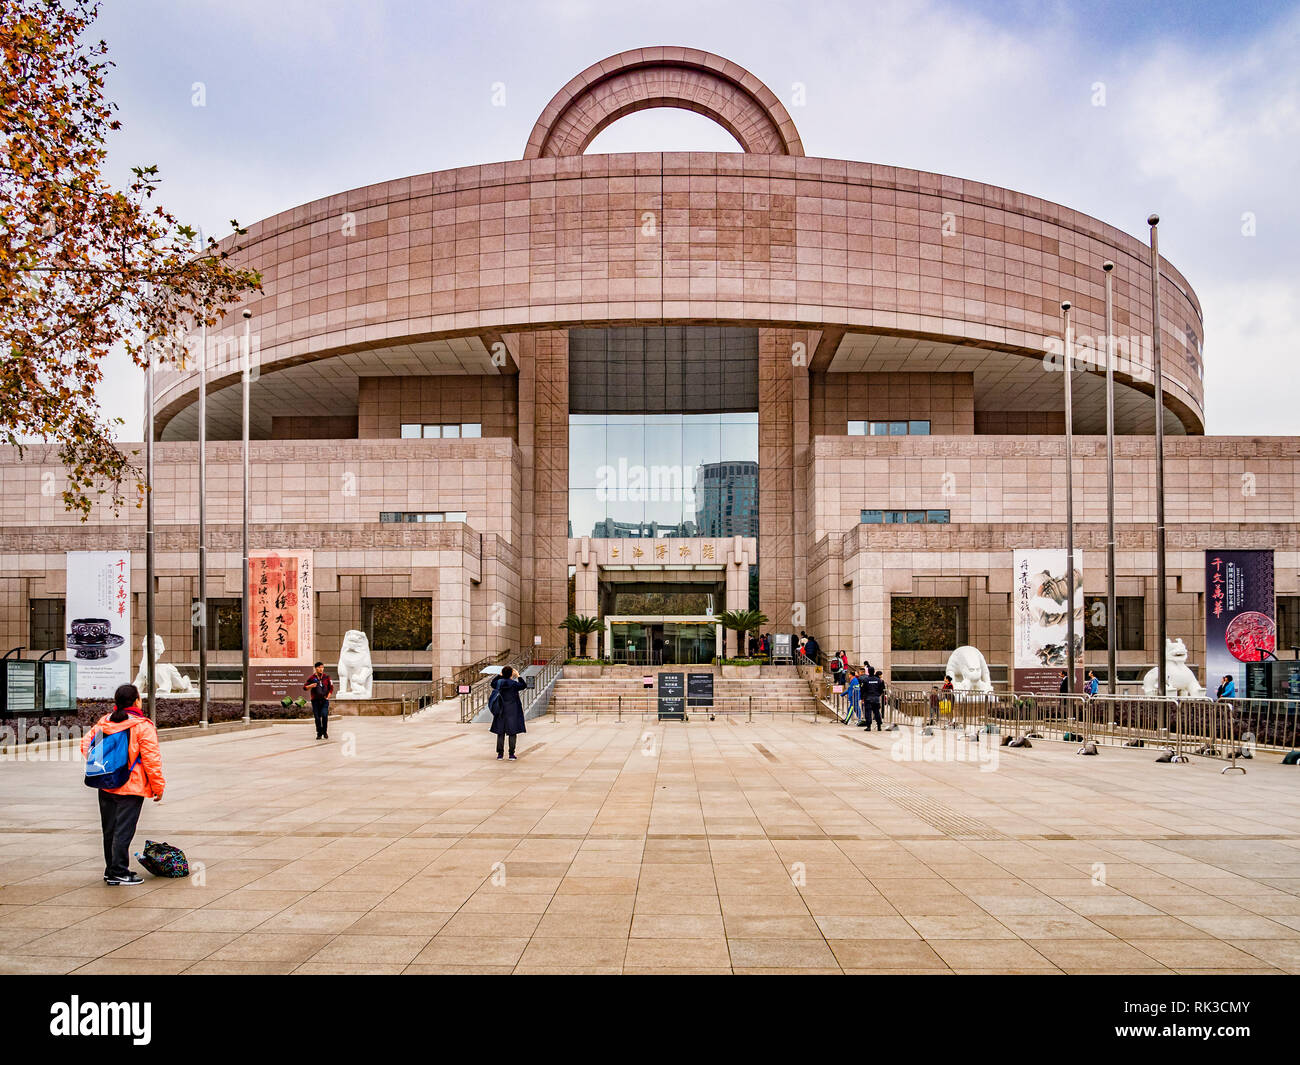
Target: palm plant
<point>580,625</point>
<point>742,622</point>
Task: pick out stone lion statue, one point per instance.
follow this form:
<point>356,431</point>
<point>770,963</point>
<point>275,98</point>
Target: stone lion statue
<point>356,674</point>
<point>1179,680</point>
<point>969,671</point>
<point>169,679</point>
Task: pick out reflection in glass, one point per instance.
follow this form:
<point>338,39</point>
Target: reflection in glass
<point>674,475</point>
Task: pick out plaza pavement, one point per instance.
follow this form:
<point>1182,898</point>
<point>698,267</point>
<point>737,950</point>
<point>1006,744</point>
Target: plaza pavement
<point>778,846</point>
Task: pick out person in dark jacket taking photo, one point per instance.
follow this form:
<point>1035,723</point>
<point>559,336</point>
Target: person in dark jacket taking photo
<point>507,710</point>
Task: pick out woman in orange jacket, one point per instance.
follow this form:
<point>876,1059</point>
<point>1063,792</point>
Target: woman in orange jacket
<point>119,808</point>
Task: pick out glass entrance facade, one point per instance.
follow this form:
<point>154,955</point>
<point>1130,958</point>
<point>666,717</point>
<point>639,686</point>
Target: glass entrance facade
<point>664,642</point>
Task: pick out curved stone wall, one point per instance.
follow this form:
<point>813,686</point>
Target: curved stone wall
<point>731,238</point>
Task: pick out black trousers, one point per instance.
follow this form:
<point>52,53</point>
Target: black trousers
<point>118,815</point>
<point>501,742</point>
<point>871,709</point>
<point>321,712</point>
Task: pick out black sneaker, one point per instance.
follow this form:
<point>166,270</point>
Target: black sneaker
<point>513,758</point>
<point>129,880</point>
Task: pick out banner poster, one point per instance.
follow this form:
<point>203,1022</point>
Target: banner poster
<point>97,620</point>
<point>1240,626</point>
<point>281,647</point>
<point>1040,622</point>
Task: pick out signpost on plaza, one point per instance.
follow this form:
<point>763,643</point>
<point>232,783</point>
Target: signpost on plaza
<point>1162,618</point>
<point>58,686</point>
<point>672,696</point>
<point>699,689</point>
<point>1069,499</point>
<point>1107,267</point>
<point>18,687</point>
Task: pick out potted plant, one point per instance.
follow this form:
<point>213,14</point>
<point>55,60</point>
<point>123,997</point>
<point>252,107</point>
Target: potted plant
<point>742,623</point>
<point>581,626</point>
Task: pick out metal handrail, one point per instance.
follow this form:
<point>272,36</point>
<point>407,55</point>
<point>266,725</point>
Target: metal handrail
<point>473,702</point>
<point>424,695</point>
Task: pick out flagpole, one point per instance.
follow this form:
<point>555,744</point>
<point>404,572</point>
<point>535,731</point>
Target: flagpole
<point>1162,617</point>
<point>244,604</point>
<point>203,524</point>
<point>1069,502</point>
<point>149,617</point>
<point>1112,620</point>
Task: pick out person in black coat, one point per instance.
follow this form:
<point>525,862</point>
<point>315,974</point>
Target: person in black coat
<point>507,710</point>
<point>873,691</point>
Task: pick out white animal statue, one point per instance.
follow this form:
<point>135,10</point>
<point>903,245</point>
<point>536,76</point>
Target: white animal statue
<point>969,671</point>
<point>356,674</point>
<point>1179,680</point>
<point>168,679</point>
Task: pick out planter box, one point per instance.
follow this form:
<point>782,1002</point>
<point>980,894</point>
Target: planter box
<point>366,707</point>
<point>583,671</point>
<point>742,672</point>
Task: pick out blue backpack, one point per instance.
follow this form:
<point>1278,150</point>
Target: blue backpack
<point>106,761</point>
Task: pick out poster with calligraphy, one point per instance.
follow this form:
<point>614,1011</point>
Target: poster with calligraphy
<point>1240,626</point>
<point>1040,620</point>
<point>281,648</point>
<point>97,621</point>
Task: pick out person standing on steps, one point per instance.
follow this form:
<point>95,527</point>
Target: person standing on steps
<point>321,687</point>
<point>507,710</point>
<point>119,808</point>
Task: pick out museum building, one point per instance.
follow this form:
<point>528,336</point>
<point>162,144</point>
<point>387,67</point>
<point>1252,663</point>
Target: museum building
<point>648,387</point>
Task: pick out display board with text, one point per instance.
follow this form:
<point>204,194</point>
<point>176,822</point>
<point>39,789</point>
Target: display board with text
<point>1239,618</point>
<point>1040,607</point>
<point>98,627</point>
<point>281,624</point>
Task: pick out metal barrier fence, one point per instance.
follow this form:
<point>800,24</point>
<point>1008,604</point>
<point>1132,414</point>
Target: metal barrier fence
<point>1227,729</point>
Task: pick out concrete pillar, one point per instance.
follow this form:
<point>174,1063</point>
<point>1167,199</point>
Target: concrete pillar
<point>737,598</point>
<point>783,458</point>
<point>544,445</point>
<point>586,598</point>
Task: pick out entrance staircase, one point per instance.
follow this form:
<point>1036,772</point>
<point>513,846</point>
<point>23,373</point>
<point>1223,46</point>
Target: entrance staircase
<point>621,690</point>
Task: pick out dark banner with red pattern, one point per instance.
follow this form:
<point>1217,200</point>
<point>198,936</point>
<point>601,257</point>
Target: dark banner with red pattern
<point>1239,620</point>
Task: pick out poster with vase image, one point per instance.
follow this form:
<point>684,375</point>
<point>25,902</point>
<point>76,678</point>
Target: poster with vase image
<point>98,620</point>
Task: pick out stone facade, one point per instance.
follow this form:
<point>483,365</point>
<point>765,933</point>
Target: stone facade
<point>877,293</point>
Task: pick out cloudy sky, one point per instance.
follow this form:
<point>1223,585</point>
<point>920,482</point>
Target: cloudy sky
<point>1199,118</point>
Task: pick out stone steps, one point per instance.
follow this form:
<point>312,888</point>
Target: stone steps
<point>600,695</point>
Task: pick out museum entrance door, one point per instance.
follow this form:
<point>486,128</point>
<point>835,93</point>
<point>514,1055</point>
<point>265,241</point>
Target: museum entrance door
<point>659,641</point>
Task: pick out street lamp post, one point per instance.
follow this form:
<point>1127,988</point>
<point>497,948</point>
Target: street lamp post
<point>1162,617</point>
<point>149,618</point>
<point>243,614</point>
<point>1111,620</point>
<point>1069,500</point>
<point>202,619</point>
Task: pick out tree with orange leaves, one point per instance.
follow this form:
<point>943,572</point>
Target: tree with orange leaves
<point>83,265</point>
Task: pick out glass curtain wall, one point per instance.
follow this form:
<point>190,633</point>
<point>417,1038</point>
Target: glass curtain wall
<point>663,432</point>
